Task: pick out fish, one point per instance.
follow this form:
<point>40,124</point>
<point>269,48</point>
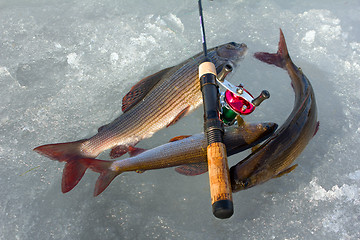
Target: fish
<point>274,157</point>
<point>155,102</point>
<point>188,152</point>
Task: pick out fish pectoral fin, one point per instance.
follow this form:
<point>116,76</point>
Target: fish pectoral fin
<point>177,138</point>
<point>192,169</point>
<point>286,171</point>
<point>141,89</point>
<point>179,116</point>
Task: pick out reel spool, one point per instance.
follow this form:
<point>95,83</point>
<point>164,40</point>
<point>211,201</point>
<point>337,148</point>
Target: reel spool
<point>233,104</point>
<point>236,100</point>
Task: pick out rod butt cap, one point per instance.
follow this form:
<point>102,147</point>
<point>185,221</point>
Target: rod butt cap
<point>223,209</point>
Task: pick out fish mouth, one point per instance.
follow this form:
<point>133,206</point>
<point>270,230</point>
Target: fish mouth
<point>250,133</point>
<point>271,127</point>
<point>232,52</point>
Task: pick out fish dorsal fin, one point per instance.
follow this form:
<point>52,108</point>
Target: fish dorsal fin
<point>102,127</point>
<point>141,89</point>
<point>177,138</point>
<point>192,169</point>
<point>286,171</point>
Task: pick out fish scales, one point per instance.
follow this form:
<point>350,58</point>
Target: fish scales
<point>155,102</point>
<point>274,157</point>
<point>193,147</point>
<point>158,106</point>
<point>186,151</point>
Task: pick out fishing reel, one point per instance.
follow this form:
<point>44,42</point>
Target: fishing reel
<point>236,100</point>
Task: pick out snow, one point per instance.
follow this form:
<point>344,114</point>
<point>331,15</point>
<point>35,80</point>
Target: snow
<point>65,66</point>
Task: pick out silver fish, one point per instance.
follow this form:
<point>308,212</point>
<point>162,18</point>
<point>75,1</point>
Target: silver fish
<point>155,102</point>
<point>188,151</point>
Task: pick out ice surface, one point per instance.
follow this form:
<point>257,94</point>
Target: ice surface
<point>65,66</point>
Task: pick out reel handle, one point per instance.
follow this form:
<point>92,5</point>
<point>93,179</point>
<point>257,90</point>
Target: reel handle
<point>224,72</point>
<point>263,96</point>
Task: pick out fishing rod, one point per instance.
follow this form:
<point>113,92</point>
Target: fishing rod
<point>219,177</point>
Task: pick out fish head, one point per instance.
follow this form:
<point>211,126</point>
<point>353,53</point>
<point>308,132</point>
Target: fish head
<point>241,175</point>
<point>231,52</point>
<point>247,175</point>
<point>241,185</point>
<point>247,135</point>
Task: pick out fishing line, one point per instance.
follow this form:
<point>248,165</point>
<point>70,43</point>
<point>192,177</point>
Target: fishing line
<point>203,37</point>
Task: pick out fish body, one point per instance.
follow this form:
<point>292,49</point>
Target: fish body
<point>155,102</point>
<point>189,152</point>
<point>274,157</point>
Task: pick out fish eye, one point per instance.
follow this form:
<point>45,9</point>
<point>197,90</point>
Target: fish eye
<point>231,45</point>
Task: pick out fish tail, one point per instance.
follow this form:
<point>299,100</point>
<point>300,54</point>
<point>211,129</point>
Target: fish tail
<point>280,58</point>
<point>69,153</point>
<point>107,174</point>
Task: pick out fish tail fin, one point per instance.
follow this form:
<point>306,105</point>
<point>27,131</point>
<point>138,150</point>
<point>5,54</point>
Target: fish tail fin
<point>280,58</point>
<point>62,152</point>
<point>107,174</point>
<point>72,174</point>
<point>69,153</point>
